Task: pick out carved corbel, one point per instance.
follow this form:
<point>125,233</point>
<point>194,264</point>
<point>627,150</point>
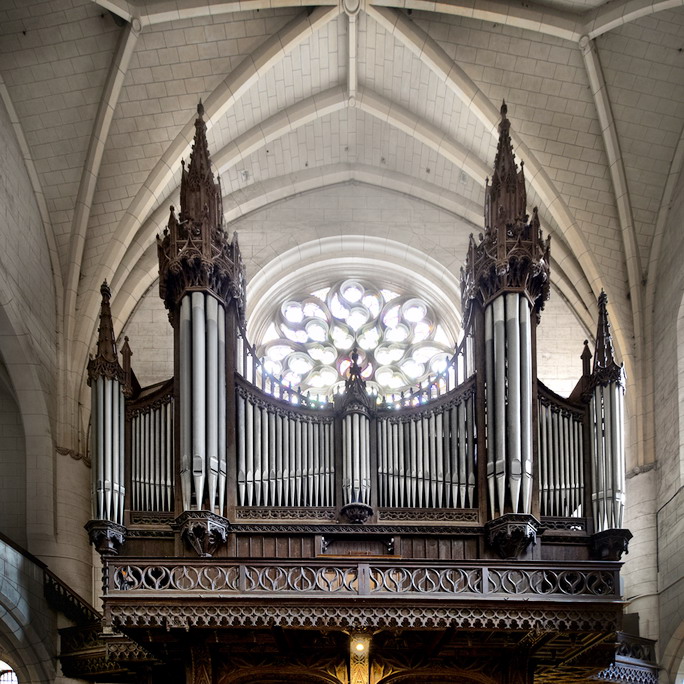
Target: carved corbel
<point>202,531</point>
<point>512,533</point>
<point>356,513</point>
<point>106,536</point>
<point>609,545</point>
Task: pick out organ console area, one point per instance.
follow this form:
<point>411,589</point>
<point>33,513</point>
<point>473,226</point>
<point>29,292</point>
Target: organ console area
<point>467,528</point>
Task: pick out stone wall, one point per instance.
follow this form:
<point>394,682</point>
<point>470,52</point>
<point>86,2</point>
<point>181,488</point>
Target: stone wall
<point>12,466</point>
<point>669,401</point>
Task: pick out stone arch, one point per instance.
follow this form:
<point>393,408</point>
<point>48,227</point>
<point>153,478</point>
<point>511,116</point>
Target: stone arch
<point>673,657</point>
<point>20,645</point>
<point>17,352</point>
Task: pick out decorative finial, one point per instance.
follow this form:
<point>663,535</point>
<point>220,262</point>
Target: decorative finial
<point>200,109</point>
<point>105,362</point>
<point>504,109</point>
<point>605,369</point>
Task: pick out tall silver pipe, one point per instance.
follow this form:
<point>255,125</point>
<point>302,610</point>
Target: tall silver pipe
<point>155,478</point>
<point>99,439</point>
<point>242,452</point>
<point>470,441</point>
<point>298,463</point>
<point>413,495</point>
<point>382,479</point>
<point>347,466</point>
<point>462,445</point>
<point>117,451</point>
<point>420,464</point>
<point>500,399</point>
<point>366,466</point>
<point>168,455</point>
<point>280,465</point>
<point>265,453</point>
<point>108,448</point>
<point>434,467</point>
<point>293,462</point>
<point>212,465</point>
<point>526,403</point>
<point>513,413</point>
<point>249,452</point>
<point>271,458</point>
<point>618,444</point>
<point>287,461</point>
<point>594,456</point>
<point>543,460</point>
<point>222,453</point>
<point>490,400</point>
<point>199,374</point>
<point>185,391</point>
<point>400,487</point>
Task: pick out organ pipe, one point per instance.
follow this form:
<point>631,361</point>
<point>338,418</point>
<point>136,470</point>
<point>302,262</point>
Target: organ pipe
<point>185,373</point>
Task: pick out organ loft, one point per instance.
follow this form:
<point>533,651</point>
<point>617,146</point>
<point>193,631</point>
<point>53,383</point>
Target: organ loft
<point>467,528</point>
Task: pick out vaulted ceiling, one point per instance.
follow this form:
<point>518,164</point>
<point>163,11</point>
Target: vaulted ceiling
<point>399,94</point>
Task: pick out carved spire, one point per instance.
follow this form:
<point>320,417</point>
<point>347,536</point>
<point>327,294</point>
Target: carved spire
<point>512,253</point>
<point>200,196</point>
<point>605,369</point>
<point>105,362</point>
<point>194,251</point>
<point>506,197</point>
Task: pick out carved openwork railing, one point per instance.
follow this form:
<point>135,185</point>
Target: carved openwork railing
<point>561,455</point>
<point>285,453</point>
<point>151,443</point>
<point>168,578</point>
<point>427,456</point>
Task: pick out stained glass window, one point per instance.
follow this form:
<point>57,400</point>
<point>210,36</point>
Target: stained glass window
<point>398,336</point>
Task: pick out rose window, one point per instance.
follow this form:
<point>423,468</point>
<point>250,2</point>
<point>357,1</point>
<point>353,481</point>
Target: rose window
<point>398,338</point>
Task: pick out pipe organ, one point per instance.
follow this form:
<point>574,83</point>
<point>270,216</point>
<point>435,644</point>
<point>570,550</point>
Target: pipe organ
<point>105,377</point>
<point>230,435</point>
<point>478,481</point>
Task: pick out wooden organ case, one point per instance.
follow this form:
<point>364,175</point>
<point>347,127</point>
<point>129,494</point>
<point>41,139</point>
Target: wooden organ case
<point>468,530</point>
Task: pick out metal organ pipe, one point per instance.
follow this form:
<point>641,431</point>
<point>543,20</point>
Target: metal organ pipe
<point>185,373</point>
<point>513,414</point>
<point>499,413</point>
<point>199,377</point>
<point>222,454</point>
<point>99,440</point>
<point>212,466</point>
<point>526,402</point>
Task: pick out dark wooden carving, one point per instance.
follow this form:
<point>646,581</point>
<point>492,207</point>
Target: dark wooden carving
<point>106,536</point>
<point>194,251</point>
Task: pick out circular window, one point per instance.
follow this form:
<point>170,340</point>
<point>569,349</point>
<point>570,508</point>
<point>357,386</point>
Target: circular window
<point>7,674</point>
<point>398,337</point>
